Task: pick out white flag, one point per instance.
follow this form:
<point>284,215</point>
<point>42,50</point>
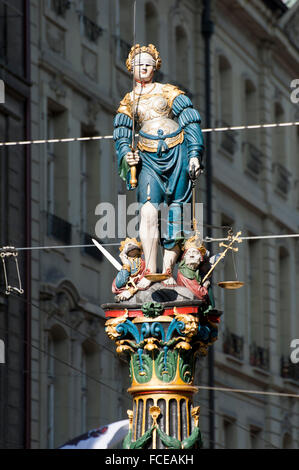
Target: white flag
<point>102,438</point>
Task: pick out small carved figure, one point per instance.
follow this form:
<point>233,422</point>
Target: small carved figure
<point>195,264</point>
<point>133,269</point>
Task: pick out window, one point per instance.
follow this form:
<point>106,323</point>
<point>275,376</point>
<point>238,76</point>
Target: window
<point>255,438</point>
<point>287,442</point>
<point>84,392</point>
<point>50,164</point>
<point>227,139</point>
<point>60,6</point>
<point>255,317</point>
<point>90,389</point>
<point>57,388</point>
<point>296,163</point>
<point>51,394</point>
<point>57,165</point>
<point>151,25</point>
<point>225,91</point>
<point>253,156</point>
<point>88,14</point>
<point>126,20</point>
<point>12,42</point>
<point>250,108</point>
<point>89,181</point>
<point>124,35</point>
<point>181,54</point>
<point>279,135</point>
<point>229,433</point>
<point>283,301</point>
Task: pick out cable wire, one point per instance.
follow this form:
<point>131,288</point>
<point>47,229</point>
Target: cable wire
<point>237,423</point>
<point>68,325</point>
<point>205,240</point>
<point>256,392</point>
<point>109,137</point>
<point>64,362</point>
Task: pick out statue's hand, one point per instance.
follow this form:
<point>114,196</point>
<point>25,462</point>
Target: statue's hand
<point>124,258</point>
<point>133,158</point>
<point>194,162</point>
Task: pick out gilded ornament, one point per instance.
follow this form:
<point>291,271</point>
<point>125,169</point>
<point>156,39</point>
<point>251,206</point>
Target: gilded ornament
<point>155,413</point>
<point>132,241</point>
<point>195,242</point>
<point>151,344</point>
<point>190,322</point>
<point>184,345</point>
<point>110,326</point>
<point>125,106</point>
<point>195,415</point>
<point>123,348</point>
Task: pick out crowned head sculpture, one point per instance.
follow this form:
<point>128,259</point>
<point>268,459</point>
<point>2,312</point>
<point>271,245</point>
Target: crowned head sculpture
<point>150,50</point>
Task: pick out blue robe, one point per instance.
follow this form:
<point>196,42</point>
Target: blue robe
<point>167,169</point>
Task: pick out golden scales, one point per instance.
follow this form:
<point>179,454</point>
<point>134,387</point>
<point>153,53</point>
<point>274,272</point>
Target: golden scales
<point>227,284</point>
<point>159,277</point>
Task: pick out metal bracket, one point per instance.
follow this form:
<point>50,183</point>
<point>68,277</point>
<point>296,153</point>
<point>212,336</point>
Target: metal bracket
<point>5,253</point>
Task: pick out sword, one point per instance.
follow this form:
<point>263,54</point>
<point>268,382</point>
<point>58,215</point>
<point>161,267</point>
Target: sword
<point>133,169</point>
<point>115,263</point>
<point>107,255</point>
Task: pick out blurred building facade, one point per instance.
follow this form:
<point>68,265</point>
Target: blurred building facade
<point>78,76</point>
<point>15,222</point>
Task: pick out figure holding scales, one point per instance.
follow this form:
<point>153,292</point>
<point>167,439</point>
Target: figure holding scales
<point>170,144</point>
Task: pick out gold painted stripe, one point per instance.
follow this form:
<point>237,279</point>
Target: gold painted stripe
<point>136,417</point>
<point>167,401</point>
<point>175,389</point>
<point>179,419</point>
<point>143,416</point>
<point>188,418</point>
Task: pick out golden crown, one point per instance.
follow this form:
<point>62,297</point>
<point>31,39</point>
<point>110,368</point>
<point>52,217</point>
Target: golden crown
<point>195,242</point>
<point>133,241</point>
<point>137,49</point>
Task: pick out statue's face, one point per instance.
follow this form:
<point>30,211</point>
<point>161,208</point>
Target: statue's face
<point>193,258</point>
<point>132,250</point>
<point>143,67</point>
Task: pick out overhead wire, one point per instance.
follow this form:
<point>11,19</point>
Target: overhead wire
<point>71,366</point>
<point>240,425</point>
<point>93,341</point>
<point>202,387</point>
<point>205,240</point>
<point>232,420</point>
<point>109,137</point>
<point>248,391</point>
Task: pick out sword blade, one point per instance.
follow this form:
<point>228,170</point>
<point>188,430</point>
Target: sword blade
<point>107,255</point>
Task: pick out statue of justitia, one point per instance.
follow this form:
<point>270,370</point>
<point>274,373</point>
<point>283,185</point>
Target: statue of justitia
<point>170,144</point>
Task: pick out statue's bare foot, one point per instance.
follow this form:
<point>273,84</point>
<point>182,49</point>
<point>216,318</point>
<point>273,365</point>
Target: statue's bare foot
<point>144,283</point>
<point>125,295</point>
<point>170,282</point>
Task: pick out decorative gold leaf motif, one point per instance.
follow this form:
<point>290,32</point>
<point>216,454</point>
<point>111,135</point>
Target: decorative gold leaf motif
<point>195,415</point>
<point>183,345</point>
<point>130,416</point>
<point>191,323</point>
<point>155,413</point>
<point>123,348</point>
<point>151,344</point>
<point>110,326</point>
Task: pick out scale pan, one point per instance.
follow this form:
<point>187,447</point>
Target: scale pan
<point>157,276</point>
<point>231,284</point>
